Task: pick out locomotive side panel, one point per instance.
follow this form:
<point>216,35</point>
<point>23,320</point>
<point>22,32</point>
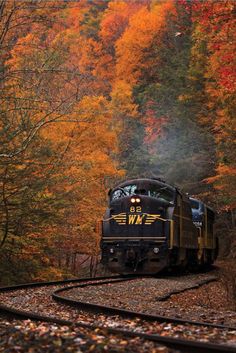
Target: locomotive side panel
<point>203,218</point>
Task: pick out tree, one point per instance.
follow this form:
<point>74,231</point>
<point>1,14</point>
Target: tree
<point>44,110</point>
<point>216,29</point>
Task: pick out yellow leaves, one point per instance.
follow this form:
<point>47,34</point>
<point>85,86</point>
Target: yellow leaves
<point>47,194</point>
<point>184,97</point>
<point>91,107</point>
<point>122,99</point>
<point>48,273</point>
<point>95,132</point>
<point>59,132</point>
<point>88,161</point>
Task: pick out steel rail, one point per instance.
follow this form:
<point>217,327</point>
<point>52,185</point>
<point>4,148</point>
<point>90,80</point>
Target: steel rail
<point>176,343</point>
<point>6,309</point>
<point>182,344</point>
<point>49,283</point>
<point>110,310</point>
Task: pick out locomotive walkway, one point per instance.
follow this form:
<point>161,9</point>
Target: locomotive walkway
<point>37,301</point>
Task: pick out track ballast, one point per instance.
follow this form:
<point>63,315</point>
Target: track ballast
<point>142,320</point>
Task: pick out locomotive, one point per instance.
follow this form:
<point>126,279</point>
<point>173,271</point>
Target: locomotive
<point>150,225</point>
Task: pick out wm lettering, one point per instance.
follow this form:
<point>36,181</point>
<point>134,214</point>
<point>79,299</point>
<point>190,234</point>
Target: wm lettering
<point>135,219</point>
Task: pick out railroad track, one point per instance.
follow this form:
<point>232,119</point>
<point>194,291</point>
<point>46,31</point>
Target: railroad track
<point>60,295</point>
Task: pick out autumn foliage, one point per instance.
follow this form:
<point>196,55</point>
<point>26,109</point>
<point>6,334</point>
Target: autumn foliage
<point>93,91</point>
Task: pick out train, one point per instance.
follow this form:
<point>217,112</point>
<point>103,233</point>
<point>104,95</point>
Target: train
<point>150,225</point>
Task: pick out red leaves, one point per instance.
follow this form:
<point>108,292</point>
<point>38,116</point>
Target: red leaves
<point>153,126</point>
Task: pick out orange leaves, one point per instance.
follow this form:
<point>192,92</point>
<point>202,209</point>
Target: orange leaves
<point>54,83</point>
<point>22,49</point>
<point>143,27</point>
<point>222,171</point>
<point>94,140</point>
<point>138,36</point>
<point>95,136</point>
<point>91,161</point>
<point>115,19</point>
<point>225,184</point>
<point>226,170</point>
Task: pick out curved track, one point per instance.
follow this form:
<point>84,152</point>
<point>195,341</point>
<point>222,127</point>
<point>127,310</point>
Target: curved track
<point>60,295</point>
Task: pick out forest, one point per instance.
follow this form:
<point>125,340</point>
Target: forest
<point>94,92</point>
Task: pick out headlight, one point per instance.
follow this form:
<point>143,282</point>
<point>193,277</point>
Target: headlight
<point>156,250</point>
<point>112,250</point>
<point>133,200</point>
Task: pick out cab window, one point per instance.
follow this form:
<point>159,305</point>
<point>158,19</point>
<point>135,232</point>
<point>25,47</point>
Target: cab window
<point>127,190</point>
<point>194,204</point>
<point>158,191</point>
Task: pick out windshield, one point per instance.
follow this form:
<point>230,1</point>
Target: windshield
<point>195,204</point>
<point>152,190</point>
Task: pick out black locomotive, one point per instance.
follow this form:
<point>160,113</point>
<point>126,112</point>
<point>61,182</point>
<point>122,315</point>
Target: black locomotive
<point>150,225</point>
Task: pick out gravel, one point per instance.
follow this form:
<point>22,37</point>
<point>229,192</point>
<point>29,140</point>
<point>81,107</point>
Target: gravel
<point>146,295</point>
<point>31,337</point>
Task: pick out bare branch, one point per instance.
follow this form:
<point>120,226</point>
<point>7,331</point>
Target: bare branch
<point>5,202</point>
<point>41,123</point>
